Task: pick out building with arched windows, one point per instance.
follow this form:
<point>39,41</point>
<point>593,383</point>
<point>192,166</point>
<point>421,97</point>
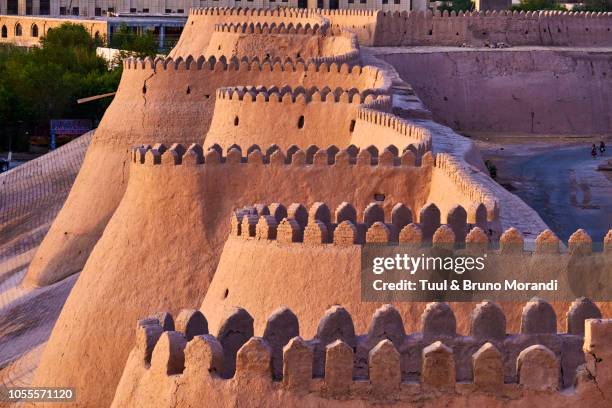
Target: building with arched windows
<point>26,31</point>
<point>101,8</point>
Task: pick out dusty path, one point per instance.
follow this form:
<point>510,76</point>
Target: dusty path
<point>558,178</point>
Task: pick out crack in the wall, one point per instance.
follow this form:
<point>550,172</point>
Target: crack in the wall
<point>594,375</point>
<point>144,95</point>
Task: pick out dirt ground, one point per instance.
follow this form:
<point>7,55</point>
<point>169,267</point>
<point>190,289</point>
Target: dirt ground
<point>556,176</point>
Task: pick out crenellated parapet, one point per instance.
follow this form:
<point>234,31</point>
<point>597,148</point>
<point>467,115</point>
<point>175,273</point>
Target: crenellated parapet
<point>222,63</point>
<point>287,94</point>
<point>507,27</point>
<point>473,184</point>
<point>177,154</point>
<point>271,39</point>
<point>385,363</point>
<point>375,224</point>
<point>245,11</point>
<point>272,28</point>
<point>318,224</point>
<point>374,116</point>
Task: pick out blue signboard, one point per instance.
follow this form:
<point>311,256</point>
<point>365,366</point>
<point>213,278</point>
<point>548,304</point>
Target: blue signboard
<point>68,127</point>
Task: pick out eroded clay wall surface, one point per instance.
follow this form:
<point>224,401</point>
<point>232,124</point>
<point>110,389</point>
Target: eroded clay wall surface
<point>514,28</point>
<point>237,44</point>
<point>200,24</point>
<point>300,122</point>
<point>166,104</point>
<point>162,245</point>
<point>511,90</point>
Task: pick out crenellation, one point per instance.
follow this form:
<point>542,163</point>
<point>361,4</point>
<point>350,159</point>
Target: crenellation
<point>315,226</point>
<point>490,361</point>
<point>282,326</point>
<point>538,317</point>
<point>168,355</point>
<point>438,320</point>
<point>488,369</point>
<point>547,242</point>
<point>580,310</point>
<point>384,370</point>
<point>350,132</point>
<point>266,228</point>
<point>203,356</point>
<point>538,368</point>
<point>148,332</point>
<point>289,231</point>
<point>253,359</point>
<point>438,367</point>
<point>338,368</point>
<point>191,323</point>
<point>488,321</point>
<point>297,365</point>
<point>235,331</point>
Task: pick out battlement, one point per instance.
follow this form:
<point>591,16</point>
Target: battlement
<point>501,13</point>
<point>281,11</point>
<point>385,363</point>
<point>508,27</point>
<point>347,12</point>
<point>375,112</point>
<point>240,11</point>
<point>296,224</point>
<point>286,94</point>
<point>177,154</point>
<point>272,28</point>
<point>222,63</point>
<point>474,184</point>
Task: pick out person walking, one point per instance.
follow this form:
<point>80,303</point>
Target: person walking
<point>593,151</point>
<point>602,147</point>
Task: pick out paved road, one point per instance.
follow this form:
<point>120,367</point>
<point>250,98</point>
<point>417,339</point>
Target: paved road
<point>563,186</point>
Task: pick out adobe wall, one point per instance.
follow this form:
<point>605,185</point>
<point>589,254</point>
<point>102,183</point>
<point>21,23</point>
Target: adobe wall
<point>513,28</point>
<point>239,115</point>
<point>180,363</point>
<point>512,90</point>
<point>185,210</point>
<point>262,256</point>
<point>284,41</point>
<point>201,22</point>
<point>165,101</point>
<point>362,22</point>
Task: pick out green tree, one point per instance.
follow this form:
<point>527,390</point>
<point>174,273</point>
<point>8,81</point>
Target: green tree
<point>535,5</point>
<point>456,5</point>
<point>44,83</point>
<point>134,44</point>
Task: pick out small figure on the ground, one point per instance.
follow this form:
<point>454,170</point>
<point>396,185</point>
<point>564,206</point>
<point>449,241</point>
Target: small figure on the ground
<point>602,147</point>
<point>593,151</point>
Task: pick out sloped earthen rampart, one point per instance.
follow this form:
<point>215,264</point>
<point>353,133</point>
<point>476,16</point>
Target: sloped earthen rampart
<point>162,96</point>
